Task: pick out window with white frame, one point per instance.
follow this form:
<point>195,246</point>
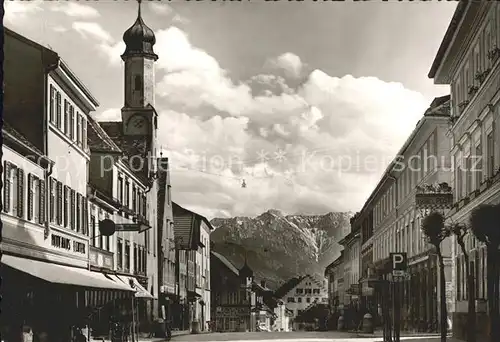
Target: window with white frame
<point>33,210</point>
<point>477,59</point>
<point>487,41</point>
<point>490,146</point>
<point>58,110</point>
<point>467,81</point>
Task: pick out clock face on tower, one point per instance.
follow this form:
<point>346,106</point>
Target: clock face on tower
<point>137,124</point>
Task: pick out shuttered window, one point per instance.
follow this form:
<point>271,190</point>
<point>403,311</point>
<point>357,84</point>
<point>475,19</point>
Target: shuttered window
<point>119,254</point>
<point>41,198</point>
<point>66,117</point>
<point>78,129</point>
<point>107,238</point>
<point>73,205</point>
<point>52,199</point>
<point>59,203</point>
<point>52,103</point>
<point>71,122</point>
<point>66,206</point>
<point>85,216</point>
<point>134,198</point>
<point>31,195</point>
<point>92,228</point>
<point>136,259</point>
<point>20,193</point>
<point>78,213</point>
<point>84,133</point>
<point>6,186</point>
<point>58,109</point>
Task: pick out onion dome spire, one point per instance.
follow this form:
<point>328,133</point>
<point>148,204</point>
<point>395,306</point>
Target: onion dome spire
<point>139,39</point>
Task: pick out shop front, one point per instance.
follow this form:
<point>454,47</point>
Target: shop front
<point>48,302</point>
<point>232,318</point>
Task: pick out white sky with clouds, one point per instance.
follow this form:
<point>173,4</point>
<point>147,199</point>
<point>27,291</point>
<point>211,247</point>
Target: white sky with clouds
<point>312,100</point>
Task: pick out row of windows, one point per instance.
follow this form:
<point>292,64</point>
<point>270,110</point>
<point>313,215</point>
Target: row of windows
<point>307,291</point>
<point>408,239</point>
<point>307,299</point>
<point>475,167</point>
<point>67,208</point>
<point>476,64</point>
<point>72,123</point>
<point>123,256</point>
<point>409,178</point>
<point>14,192</point>
<point>125,192</point>
<point>478,264</point>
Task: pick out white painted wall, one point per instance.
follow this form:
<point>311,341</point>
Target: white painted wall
<point>27,237</point>
<point>304,284</point>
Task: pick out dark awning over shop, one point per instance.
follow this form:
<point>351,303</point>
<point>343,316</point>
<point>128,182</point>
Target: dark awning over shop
<point>66,275</point>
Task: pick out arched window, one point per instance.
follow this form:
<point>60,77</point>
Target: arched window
<point>137,82</point>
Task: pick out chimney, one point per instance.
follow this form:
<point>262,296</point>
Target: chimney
<point>263,283</point>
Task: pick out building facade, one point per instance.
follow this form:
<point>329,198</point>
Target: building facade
<point>136,183</point>
<point>468,61</point>
<point>352,252</point>
<point>335,274</point>
<point>300,293</point>
<point>202,309</point>
<point>423,159</point>
<point>191,237</point>
<point>45,208</point>
<point>232,297</point>
<point>283,316</point>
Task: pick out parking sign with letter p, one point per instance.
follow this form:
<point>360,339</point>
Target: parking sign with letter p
<point>399,261</point>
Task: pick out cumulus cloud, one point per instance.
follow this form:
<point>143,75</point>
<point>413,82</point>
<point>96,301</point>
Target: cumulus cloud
<point>16,11</point>
<point>110,114</point>
<point>320,146</point>
<point>310,148</point>
<point>289,62</point>
<point>74,9</point>
<point>92,30</point>
<point>160,8</point>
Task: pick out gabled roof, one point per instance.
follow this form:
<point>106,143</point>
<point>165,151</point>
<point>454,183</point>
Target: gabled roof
<point>9,130</point>
<point>98,139</point>
<point>288,286</point>
<point>130,145</point>
<point>225,262</point>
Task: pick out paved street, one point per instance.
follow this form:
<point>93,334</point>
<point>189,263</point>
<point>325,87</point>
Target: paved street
<point>297,337</point>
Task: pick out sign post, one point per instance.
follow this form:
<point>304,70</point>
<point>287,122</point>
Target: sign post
<point>399,265</point>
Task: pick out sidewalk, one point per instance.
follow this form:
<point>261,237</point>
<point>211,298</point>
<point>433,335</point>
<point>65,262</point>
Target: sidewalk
<point>408,336</point>
<point>149,339</point>
<point>380,333</point>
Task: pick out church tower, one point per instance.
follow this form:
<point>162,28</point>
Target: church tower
<point>139,117</point>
